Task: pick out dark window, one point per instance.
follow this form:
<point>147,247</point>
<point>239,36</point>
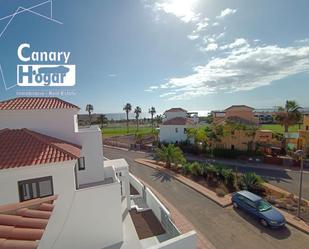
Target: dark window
<point>307,127</point>
<point>185,130</point>
<point>35,188</point>
<point>176,130</point>
<point>232,147</point>
<point>81,163</point>
<point>232,132</point>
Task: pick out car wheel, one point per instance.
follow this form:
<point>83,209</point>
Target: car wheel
<point>235,205</point>
<point>264,222</point>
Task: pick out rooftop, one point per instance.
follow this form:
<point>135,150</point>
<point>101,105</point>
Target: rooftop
<point>178,121</point>
<point>233,106</point>
<point>23,147</point>
<point>35,103</point>
<point>22,224</point>
<point>176,110</point>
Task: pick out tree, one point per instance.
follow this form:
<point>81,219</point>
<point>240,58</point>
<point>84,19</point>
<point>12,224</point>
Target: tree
<point>159,119</point>
<point>89,109</point>
<point>170,154</point>
<point>137,112</point>
<point>214,132</point>
<point>127,108</point>
<point>287,116</point>
<point>199,135</point>
<point>152,112</point>
<point>102,119</point>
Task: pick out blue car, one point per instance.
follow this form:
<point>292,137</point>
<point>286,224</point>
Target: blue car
<point>259,208</point>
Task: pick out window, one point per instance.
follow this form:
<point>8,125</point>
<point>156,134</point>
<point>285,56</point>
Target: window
<point>307,127</point>
<point>81,163</point>
<point>35,188</point>
<point>232,147</point>
<point>176,130</point>
<point>185,130</point>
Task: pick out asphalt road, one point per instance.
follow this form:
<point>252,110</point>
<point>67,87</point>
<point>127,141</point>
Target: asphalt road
<point>224,227</point>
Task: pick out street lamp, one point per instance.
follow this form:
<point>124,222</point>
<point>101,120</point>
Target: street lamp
<point>300,154</point>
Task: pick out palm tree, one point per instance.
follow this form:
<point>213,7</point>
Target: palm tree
<point>89,109</point>
<point>152,112</point>
<point>287,116</point>
<point>170,154</point>
<point>127,108</point>
<point>102,120</point>
<point>137,112</point>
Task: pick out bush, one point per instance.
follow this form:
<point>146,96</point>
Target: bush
<point>228,176</point>
<point>186,168</point>
<point>170,154</point>
<point>196,169</point>
<point>252,182</point>
<point>212,172</point>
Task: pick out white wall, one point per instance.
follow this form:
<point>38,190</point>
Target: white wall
<point>57,123</point>
<point>92,150</point>
<point>93,220</point>
<point>168,133</point>
<point>62,173</point>
<point>170,115</point>
<point>184,241</point>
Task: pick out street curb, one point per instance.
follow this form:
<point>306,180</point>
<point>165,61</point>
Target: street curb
<point>124,149</point>
<point>221,201</point>
<point>290,219</point>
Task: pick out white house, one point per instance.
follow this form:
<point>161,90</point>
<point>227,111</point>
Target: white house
<point>175,125</point>
<point>56,189</point>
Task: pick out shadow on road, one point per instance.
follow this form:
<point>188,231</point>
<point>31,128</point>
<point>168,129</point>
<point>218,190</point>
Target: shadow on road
<point>161,175</point>
<point>277,233</point>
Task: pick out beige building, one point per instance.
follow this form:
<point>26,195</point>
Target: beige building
<point>304,136</point>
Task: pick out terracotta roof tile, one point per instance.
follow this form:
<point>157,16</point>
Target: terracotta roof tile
<point>176,110</point>
<point>178,121</point>
<point>22,147</point>
<point>17,230</point>
<point>32,103</point>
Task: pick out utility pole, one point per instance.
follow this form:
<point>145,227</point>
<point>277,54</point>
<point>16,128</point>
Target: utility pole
<point>300,154</point>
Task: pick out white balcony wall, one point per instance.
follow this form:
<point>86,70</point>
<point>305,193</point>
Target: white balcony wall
<point>184,241</point>
<point>57,123</point>
<point>92,149</point>
<point>93,220</point>
<point>170,115</point>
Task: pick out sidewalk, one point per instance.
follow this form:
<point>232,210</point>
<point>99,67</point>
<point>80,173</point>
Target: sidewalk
<point>233,162</point>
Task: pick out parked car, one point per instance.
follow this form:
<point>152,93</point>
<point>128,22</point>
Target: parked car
<point>258,208</point>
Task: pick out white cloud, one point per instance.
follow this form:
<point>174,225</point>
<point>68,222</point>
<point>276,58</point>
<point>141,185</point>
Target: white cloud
<point>193,37</point>
<point>226,12</point>
<point>241,69</point>
<point>211,47</point>
<point>215,24</point>
<point>182,9</point>
<point>151,88</point>
<point>239,42</point>
<point>306,40</point>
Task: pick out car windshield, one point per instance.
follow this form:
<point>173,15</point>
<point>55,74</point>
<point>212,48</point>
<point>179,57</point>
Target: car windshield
<point>263,205</point>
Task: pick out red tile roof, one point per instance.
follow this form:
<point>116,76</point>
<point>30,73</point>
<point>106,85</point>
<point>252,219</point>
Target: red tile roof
<point>24,148</point>
<point>22,224</point>
<point>176,110</point>
<point>30,103</point>
<point>179,121</point>
<point>236,106</point>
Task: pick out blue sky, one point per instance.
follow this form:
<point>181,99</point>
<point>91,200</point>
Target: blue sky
<point>196,54</point>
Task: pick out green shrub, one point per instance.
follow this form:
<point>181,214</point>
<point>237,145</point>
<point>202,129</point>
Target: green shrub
<point>186,168</point>
<point>228,176</point>
<point>170,154</point>
<point>251,182</point>
<point>212,172</point>
<point>196,169</point>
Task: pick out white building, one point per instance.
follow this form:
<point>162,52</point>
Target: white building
<point>58,192</point>
<point>175,125</point>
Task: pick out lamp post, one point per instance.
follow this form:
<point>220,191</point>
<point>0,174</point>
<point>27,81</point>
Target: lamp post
<point>300,154</point>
